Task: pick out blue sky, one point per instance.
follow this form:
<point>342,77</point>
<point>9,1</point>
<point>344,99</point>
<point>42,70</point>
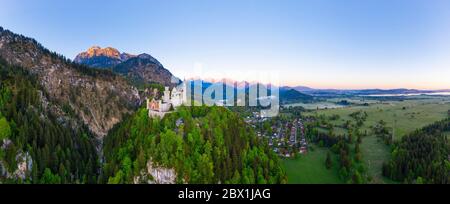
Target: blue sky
<point>318,43</point>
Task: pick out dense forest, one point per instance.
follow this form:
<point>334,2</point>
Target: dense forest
<point>201,144</point>
<point>422,157</point>
<point>35,146</point>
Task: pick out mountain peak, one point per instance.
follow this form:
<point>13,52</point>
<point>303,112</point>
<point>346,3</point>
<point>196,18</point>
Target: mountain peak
<point>142,68</point>
<point>95,47</point>
<point>96,56</point>
<point>96,51</point>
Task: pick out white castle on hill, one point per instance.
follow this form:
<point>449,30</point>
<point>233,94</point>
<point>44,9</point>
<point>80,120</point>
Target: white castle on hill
<point>170,101</point>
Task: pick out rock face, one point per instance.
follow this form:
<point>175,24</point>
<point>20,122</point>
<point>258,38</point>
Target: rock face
<point>24,164</point>
<point>98,98</point>
<point>161,175</point>
<point>140,69</point>
<point>102,58</point>
<point>156,175</point>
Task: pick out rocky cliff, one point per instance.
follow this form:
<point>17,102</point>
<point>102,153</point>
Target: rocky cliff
<point>97,98</point>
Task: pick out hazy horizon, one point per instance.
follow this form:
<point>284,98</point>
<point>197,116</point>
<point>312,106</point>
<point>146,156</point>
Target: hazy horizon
<point>324,44</point>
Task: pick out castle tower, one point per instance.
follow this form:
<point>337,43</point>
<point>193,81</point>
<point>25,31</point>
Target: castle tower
<point>176,97</point>
<point>184,93</point>
<point>166,97</point>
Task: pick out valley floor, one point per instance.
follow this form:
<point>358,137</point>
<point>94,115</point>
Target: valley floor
<point>310,168</point>
<point>401,116</point>
<point>375,152</point>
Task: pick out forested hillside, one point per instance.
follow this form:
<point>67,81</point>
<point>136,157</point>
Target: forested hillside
<point>422,157</point>
<point>36,146</point>
<point>99,98</point>
<point>191,145</point>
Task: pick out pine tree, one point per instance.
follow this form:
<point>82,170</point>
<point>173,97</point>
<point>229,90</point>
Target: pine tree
<point>328,161</point>
<point>5,129</point>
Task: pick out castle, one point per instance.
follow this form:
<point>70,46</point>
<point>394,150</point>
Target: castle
<point>170,101</point>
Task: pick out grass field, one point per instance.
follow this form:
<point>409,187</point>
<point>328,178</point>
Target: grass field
<point>310,169</point>
<point>405,116</point>
<point>375,152</point>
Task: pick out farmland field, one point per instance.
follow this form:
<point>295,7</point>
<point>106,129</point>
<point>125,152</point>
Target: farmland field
<point>310,169</point>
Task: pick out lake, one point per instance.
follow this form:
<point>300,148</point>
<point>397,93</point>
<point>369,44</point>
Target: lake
<point>411,94</point>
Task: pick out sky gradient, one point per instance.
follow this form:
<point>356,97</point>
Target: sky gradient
<point>346,44</point>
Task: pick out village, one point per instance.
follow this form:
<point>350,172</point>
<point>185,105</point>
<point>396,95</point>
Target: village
<point>285,137</point>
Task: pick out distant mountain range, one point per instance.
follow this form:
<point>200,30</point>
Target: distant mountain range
<point>140,69</point>
<point>303,94</point>
<point>286,94</point>
<point>359,92</point>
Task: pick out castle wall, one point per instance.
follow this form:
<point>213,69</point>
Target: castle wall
<point>156,114</point>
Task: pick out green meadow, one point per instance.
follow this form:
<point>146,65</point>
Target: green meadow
<point>310,168</point>
<point>375,152</point>
<point>402,116</point>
